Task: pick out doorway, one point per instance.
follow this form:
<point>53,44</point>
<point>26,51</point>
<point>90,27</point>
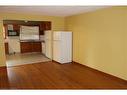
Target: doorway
<point>27,42</point>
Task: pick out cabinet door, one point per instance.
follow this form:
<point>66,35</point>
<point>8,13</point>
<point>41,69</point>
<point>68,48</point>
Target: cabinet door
<point>16,28</point>
<point>6,48</point>
<point>47,25</point>
<point>41,29</point>
<point>36,47</point>
<point>26,47</point>
<point>44,26</point>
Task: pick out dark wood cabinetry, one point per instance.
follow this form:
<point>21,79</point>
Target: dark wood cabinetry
<point>44,26</point>
<point>16,27</point>
<point>27,47</point>
<point>6,48</point>
<point>36,47</point>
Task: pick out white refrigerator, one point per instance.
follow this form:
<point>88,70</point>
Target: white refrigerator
<point>48,43</point>
<point>62,46</point>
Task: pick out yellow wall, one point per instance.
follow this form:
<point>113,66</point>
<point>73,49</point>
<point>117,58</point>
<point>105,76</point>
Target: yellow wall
<point>2,53</point>
<point>100,39</point>
<point>58,23</point>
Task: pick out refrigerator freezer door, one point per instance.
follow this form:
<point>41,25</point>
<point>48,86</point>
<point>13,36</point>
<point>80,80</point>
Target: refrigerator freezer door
<point>56,36</point>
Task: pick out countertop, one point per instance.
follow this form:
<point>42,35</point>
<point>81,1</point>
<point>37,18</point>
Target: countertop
<point>32,41</point>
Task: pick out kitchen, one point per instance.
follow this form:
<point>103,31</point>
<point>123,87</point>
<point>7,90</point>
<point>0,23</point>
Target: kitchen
<point>21,46</point>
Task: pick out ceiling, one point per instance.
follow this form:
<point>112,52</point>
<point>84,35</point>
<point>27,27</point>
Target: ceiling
<point>61,11</point>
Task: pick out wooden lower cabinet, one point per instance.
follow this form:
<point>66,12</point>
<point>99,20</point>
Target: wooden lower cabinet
<point>36,47</point>
<point>27,47</point>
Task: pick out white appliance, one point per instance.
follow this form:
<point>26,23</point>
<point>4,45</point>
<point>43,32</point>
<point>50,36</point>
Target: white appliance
<point>43,48</point>
<point>62,46</point>
<point>48,43</point>
<point>42,44</point>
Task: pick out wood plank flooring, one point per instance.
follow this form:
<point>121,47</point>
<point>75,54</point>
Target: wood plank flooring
<point>51,75</point>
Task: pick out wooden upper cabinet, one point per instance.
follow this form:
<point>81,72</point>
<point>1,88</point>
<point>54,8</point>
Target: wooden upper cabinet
<point>44,26</point>
<point>48,25</point>
<point>16,27</point>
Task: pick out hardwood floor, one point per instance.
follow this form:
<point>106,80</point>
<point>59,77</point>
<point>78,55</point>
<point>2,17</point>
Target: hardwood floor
<point>51,75</point>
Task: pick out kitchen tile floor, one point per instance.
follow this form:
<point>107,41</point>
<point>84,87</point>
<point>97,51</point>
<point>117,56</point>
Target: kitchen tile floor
<point>28,58</point>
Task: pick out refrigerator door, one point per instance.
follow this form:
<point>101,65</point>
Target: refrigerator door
<point>57,51</point>
<point>66,45</point>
